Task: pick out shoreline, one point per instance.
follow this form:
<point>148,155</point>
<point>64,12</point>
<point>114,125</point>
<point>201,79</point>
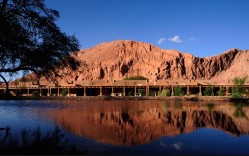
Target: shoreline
<point>175,98</point>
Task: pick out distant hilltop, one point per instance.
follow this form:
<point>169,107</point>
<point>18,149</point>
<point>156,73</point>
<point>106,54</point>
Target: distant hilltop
<point>124,58</point>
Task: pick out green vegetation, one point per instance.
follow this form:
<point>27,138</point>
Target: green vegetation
<point>238,90</point>
<point>164,92</point>
<point>32,42</point>
<point>34,142</point>
<point>221,91</point>
<point>64,92</point>
<point>239,112</point>
<point>35,93</point>
<point>151,93</point>
<point>141,91</point>
<point>130,93</point>
<point>138,77</point>
<point>210,106</point>
<point>208,90</point>
<point>178,91</point>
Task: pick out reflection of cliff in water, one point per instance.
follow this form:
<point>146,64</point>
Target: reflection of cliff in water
<point>140,122</point>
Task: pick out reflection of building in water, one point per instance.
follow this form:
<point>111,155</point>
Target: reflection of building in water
<point>139,122</point>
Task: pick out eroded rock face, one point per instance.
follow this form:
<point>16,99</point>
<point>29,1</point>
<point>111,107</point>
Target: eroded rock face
<point>123,58</point>
<point>119,59</point>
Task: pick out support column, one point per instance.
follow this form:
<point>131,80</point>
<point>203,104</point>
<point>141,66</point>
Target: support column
<point>187,90</point>
<point>172,90</point>
<point>112,91</point>
<point>68,93</point>
<point>147,90</point>
<point>160,88</point>
<point>123,91</point>
<point>84,91</point>
<point>48,93</point>
<point>40,92</point>
<point>200,93</point>
<point>58,91</point>
<point>213,90</point>
<point>28,92</point>
<point>100,91</point>
<point>135,91</point>
<point>227,90</point>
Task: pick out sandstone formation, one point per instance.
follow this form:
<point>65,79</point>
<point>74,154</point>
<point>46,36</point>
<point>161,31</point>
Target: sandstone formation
<point>133,123</point>
<point>123,58</point>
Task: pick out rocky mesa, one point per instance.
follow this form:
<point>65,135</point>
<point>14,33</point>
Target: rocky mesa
<point>123,58</point>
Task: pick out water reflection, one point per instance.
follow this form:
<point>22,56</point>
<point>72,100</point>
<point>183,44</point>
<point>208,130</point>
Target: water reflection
<point>34,142</point>
<point>140,122</point>
<point>239,111</point>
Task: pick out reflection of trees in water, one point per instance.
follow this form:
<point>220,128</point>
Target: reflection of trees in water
<point>239,112</point>
<point>34,142</point>
<point>178,105</point>
<point>165,105</point>
<point>210,106</point>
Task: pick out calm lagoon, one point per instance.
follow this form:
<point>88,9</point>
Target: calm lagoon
<point>131,127</point>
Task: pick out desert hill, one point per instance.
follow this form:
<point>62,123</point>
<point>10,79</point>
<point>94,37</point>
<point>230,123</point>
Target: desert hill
<point>123,58</point>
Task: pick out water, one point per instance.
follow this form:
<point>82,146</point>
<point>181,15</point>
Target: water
<point>136,127</point>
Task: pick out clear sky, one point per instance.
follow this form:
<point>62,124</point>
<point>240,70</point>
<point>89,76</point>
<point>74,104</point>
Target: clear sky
<point>201,27</point>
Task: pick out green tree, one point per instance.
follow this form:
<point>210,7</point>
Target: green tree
<point>208,90</point>
<point>178,91</point>
<point>221,91</point>
<point>164,92</point>
<point>30,41</point>
<point>64,92</point>
<point>141,91</point>
<point>238,90</point>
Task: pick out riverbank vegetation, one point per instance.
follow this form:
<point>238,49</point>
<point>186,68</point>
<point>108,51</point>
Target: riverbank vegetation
<point>239,90</point>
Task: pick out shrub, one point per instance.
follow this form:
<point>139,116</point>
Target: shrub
<point>151,93</point>
<point>238,90</point>
<point>35,94</point>
<point>221,91</point>
<point>64,92</point>
<point>130,93</point>
<point>208,90</point>
<point>164,92</point>
<point>178,91</point>
<point>141,91</point>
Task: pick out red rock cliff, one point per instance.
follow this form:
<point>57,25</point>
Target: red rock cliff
<point>122,58</point>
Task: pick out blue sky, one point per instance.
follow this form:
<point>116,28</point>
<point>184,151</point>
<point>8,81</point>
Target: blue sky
<point>201,27</point>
